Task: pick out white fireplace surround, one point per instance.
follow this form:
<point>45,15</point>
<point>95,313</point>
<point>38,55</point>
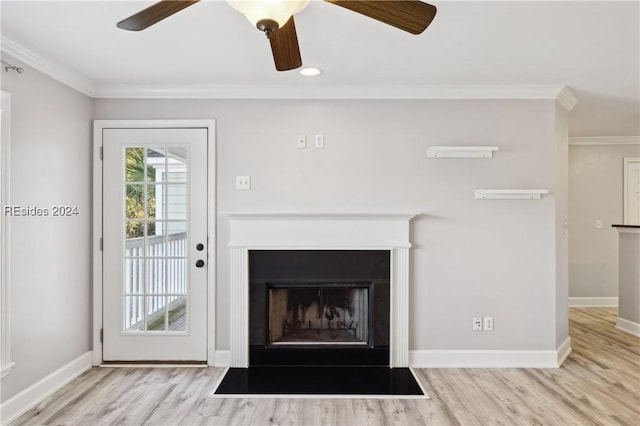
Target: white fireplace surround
<point>320,231</point>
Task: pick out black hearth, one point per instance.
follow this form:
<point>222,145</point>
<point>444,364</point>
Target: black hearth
<point>319,307</point>
<point>372,381</point>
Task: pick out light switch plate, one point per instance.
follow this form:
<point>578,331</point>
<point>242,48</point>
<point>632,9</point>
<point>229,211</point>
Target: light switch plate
<point>302,141</point>
<point>243,182</point>
<point>488,323</point>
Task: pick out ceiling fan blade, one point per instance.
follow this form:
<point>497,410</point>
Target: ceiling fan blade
<point>285,48</point>
<point>412,16</point>
<point>153,14</point>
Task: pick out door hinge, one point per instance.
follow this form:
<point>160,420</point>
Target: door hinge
<point>101,335</point>
<point>101,243</point>
<point>101,152</point>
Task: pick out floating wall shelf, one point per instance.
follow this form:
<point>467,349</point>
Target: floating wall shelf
<point>510,194</point>
<point>461,151</point>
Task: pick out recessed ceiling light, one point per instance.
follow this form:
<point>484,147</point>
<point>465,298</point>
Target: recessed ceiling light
<point>310,71</point>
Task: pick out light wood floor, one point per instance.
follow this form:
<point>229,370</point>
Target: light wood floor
<point>598,384</point>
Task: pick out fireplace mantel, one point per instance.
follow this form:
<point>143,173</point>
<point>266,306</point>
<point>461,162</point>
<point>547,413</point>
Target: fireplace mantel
<point>320,230</point>
<point>325,231</point>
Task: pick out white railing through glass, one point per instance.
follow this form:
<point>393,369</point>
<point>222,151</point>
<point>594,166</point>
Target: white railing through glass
<point>156,278</point>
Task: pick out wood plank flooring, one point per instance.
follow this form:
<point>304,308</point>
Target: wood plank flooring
<point>599,384</point>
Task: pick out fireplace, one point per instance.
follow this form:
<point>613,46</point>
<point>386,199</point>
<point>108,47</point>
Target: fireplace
<point>258,242</point>
<point>319,307</point>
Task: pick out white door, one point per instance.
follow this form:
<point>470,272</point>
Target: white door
<point>632,191</point>
<point>155,245</point>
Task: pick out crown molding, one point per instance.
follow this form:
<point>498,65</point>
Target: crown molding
<point>57,72</point>
<point>566,98</point>
<point>90,88</point>
<point>492,92</point>
<point>604,140</point>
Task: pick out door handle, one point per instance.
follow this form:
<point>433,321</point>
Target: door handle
<point>199,263</point>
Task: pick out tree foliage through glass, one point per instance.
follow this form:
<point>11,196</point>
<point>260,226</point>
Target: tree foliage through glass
<point>136,189</point>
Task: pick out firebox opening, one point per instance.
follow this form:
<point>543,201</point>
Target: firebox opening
<point>319,314</point>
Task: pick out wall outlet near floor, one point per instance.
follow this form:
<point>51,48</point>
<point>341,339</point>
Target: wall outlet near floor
<point>319,141</point>
<point>598,224</point>
<point>243,182</point>
<point>477,323</point>
<point>488,323</point>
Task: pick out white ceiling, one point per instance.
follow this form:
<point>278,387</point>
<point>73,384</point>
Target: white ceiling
<point>593,47</point>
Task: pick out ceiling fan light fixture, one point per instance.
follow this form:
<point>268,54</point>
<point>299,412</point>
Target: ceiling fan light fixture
<point>275,18</point>
<point>310,72</point>
<point>268,10</point>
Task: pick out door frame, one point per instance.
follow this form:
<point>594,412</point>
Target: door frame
<point>5,241</point>
<point>625,186</point>
<point>97,276</point>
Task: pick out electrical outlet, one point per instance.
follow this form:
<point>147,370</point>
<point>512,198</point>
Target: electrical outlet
<point>302,141</point>
<point>243,182</point>
<point>488,323</point>
<point>477,323</point>
<point>598,224</point>
<point>320,141</point>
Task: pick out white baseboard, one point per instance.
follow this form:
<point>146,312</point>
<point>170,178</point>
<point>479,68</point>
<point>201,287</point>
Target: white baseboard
<point>34,394</point>
<point>6,369</point>
<point>628,326</point>
<point>486,358</point>
<point>222,359</point>
<point>563,351</point>
<point>593,302</point>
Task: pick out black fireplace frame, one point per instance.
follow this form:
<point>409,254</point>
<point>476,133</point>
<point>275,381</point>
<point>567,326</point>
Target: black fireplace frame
<point>310,268</point>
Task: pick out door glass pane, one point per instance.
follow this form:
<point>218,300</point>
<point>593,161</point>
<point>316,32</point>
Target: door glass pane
<point>176,276</point>
<point>137,166</point>
<point>153,194</point>
<point>176,165</point>
<point>156,313</point>
<point>134,276</point>
<point>177,313</point>
<point>134,203</point>
<point>175,227</point>
<point>133,313</point>
<point>175,202</point>
<point>156,273</point>
<point>134,239</point>
<point>156,239</point>
<point>155,260</point>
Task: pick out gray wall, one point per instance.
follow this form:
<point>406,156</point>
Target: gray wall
<point>49,256</point>
<point>596,182</point>
<point>470,257</point>
<point>629,277</point>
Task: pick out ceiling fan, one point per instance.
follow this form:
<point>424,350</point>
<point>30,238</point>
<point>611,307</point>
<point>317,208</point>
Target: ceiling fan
<point>275,19</point>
